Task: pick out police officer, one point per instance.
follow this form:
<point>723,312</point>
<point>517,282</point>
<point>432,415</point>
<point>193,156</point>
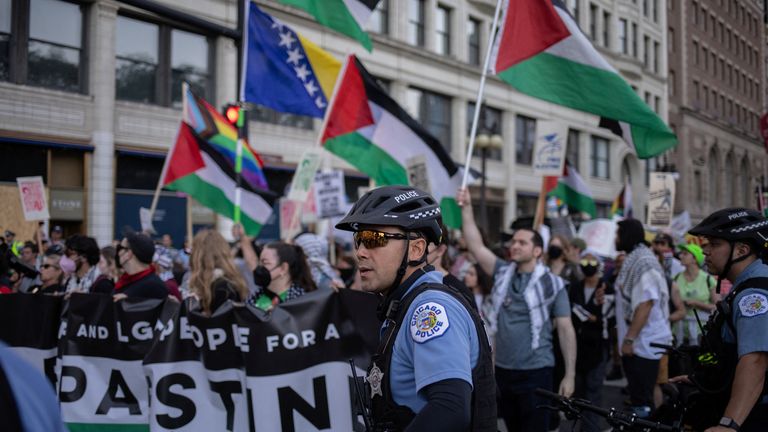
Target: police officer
<point>735,239</point>
<point>432,369</point>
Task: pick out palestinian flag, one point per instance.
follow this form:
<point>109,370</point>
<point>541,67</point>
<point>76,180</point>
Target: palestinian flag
<point>368,129</point>
<point>201,165</point>
<point>574,193</point>
<point>348,17</point>
<point>542,52</point>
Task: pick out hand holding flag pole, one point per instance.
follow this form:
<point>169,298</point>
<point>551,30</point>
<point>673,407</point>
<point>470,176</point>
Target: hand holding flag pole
<point>480,92</point>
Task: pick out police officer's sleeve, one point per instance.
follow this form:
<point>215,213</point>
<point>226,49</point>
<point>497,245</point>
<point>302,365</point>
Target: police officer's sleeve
<point>751,317</point>
<point>448,407</point>
<point>443,340</point>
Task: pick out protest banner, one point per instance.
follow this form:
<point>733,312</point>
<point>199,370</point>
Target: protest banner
<point>661,199</point>
<point>549,149</point>
<point>600,235</point>
<point>33,198</point>
<point>329,193</point>
<point>154,365</point>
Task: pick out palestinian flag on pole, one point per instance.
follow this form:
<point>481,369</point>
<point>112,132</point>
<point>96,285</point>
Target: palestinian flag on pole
<point>542,52</point>
<point>574,193</point>
<point>199,165</point>
<point>348,17</point>
<point>368,129</point>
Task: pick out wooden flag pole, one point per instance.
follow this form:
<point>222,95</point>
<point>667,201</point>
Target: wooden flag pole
<point>480,92</point>
<point>538,218</point>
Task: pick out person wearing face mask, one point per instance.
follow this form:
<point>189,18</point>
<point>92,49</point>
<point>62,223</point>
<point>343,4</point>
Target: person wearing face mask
<point>84,252</point>
<point>214,278</point>
<point>558,262</point>
<point>589,313</point>
<point>283,274</point>
<point>134,255</point>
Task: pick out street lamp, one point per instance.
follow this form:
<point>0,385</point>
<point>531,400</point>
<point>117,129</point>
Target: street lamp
<point>485,142</point>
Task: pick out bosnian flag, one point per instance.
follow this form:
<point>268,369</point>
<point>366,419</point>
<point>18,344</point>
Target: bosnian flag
<point>574,192</point>
<point>368,129</point>
<point>542,52</point>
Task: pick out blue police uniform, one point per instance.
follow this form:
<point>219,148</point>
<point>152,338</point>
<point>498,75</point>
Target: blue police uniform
<point>432,344</point>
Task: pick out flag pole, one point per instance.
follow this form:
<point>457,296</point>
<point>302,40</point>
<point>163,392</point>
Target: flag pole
<point>538,218</point>
<point>480,92</point>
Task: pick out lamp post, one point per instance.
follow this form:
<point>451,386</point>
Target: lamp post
<point>486,142</point>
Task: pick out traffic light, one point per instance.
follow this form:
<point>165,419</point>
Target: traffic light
<point>232,114</point>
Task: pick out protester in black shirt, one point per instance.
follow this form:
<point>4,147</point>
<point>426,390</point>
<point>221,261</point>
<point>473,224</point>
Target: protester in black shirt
<point>51,276</point>
<point>134,255</point>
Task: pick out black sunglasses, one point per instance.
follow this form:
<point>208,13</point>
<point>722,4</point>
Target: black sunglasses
<point>46,266</point>
<point>375,239</point>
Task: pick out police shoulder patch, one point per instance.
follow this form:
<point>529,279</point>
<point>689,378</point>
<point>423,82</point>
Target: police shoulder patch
<point>429,320</point>
<point>753,304</point>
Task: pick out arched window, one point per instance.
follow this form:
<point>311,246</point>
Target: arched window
<point>730,181</point>
<point>746,194</point>
<point>712,173</point>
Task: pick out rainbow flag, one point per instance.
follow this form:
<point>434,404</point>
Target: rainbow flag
<point>214,128</point>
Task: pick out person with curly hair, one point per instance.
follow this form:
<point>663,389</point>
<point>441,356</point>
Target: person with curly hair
<point>214,278</point>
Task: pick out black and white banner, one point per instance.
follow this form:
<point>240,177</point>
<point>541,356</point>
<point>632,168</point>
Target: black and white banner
<point>153,365</point>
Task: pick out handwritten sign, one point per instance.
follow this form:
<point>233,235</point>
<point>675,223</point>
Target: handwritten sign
<point>33,198</point>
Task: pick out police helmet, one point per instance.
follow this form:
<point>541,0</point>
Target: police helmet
<point>406,207</point>
<point>735,224</point>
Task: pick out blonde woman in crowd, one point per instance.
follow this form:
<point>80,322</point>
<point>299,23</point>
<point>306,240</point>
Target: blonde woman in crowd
<point>214,279</point>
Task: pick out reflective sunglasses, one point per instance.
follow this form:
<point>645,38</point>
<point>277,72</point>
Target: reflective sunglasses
<point>587,262</point>
<point>375,239</point>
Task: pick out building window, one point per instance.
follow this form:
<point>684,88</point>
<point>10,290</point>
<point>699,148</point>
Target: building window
<point>696,95</point>
<point>606,29</point>
<point>136,60</point>
<point>433,111</point>
<point>623,42</point>
<point>379,22</point>
<point>695,52</point>
<point>416,22</point>
<point>697,189</point>
<point>712,189</point>
<point>473,41</point>
<point>671,40</point>
<point>489,124</point>
<point>572,148</point>
<point>634,40</point>
<point>671,82</point>
<point>526,204</point>
<point>593,22</point>
<point>46,48</point>
<point>140,76</point>
<point>443,30</point>
<point>267,115</point>
<point>645,8</point>
<point>600,157</point>
<point>655,10</point>
<point>657,104</point>
<point>656,57</point>
<point>576,12</point>
<point>695,13</point>
<point>5,39</point>
<point>646,51</point>
<point>525,137</point>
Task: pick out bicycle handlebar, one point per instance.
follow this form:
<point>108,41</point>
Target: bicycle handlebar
<point>613,416</point>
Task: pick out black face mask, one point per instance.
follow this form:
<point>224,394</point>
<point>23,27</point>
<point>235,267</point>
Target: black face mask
<point>261,276</point>
<point>555,252</point>
<point>589,270</point>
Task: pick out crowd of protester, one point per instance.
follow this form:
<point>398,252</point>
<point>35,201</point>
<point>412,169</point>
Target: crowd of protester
<point>614,308</point>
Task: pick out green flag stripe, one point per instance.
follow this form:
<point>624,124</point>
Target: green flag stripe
<point>213,198</point>
<point>334,14</point>
<point>368,158</point>
<point>574,199</point>
<point>558,76</point>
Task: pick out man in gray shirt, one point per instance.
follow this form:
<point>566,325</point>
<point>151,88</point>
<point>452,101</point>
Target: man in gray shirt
<point>527,299</point>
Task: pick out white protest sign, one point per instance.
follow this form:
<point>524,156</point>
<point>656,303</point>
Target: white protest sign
<point>418,176</point>
<point>304,177</point>
<point>549,148</point>
<point>290,224</point>
<point>329,193</point>
<point>600,235</point>
<point>145,218</point>
<point>661,199</point>
<point>33,199</point>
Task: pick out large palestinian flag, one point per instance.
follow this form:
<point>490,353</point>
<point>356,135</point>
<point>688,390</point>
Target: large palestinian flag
<point>202,165</point>
<point>348,17</point>
<point>368,129</point>
<point>542,52</point>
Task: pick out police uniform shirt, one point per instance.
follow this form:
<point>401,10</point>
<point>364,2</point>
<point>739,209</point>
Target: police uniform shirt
<point>437,341</point>
<point>750,313</point>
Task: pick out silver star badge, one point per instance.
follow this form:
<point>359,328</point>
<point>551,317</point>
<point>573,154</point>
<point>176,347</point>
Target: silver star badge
<point>375,377</point>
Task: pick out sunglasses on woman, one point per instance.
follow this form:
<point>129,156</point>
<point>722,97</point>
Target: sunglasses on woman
<point>589,262</point>
<point>47,266</point>
<point>375,239</point>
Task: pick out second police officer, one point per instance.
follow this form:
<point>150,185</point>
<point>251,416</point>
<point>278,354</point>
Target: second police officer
<point>432,369</point>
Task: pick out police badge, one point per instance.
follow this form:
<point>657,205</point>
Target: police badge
<point>375,377</point>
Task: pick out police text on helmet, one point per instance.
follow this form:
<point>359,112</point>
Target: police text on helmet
<point>405,196</point>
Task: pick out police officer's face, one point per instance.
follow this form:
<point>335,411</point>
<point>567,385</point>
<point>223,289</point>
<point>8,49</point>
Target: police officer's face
<point>716,253</point>
<point>378,265</point>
